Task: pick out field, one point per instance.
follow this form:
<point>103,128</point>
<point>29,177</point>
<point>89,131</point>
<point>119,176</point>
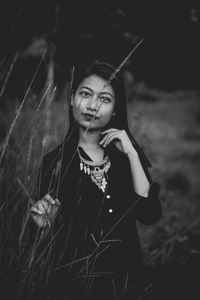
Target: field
<point>167,126</point>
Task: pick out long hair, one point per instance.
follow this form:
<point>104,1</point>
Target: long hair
<point>120,120</point>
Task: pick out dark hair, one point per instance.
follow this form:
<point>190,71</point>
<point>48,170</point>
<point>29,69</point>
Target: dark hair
<point>119,121</point>
<point>104,70</point>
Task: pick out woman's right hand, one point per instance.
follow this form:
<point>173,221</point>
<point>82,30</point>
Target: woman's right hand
<point>44,211</point>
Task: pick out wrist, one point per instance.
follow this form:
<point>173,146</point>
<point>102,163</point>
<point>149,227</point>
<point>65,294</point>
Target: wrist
<point>132,154</point>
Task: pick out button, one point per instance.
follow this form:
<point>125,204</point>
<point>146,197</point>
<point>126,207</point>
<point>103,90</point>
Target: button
<point>110,210</point>
<point>108,196</point>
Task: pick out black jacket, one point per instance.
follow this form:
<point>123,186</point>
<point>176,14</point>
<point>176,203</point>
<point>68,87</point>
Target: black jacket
<point>95,230</point>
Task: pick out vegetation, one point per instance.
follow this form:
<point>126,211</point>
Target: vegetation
<point>166,124</point>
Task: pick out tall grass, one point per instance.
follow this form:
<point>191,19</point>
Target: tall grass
<point>38,129</point>
<point>165,124</point>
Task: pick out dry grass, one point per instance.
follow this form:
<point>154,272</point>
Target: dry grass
<point>167,125</point>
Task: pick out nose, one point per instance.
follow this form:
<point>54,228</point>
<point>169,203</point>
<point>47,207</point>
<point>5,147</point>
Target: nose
<point>92,104</point>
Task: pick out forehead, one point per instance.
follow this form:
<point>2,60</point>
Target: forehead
<point>97,84</point>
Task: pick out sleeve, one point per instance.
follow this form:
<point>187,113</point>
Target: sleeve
<point>147,210</point>
<point>46,182</point>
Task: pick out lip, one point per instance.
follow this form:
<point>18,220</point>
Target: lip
<point>89,116</point>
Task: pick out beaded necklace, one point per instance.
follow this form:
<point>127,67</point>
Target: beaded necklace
<point>96,171</point>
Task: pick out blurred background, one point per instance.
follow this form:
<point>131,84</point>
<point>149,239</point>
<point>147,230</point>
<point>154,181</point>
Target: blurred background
<point>40,45</point>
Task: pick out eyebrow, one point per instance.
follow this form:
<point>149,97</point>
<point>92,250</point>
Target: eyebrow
<point>86,87</point>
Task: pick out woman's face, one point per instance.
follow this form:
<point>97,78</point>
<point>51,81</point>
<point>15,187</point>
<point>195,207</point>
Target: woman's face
<point>93,103</point>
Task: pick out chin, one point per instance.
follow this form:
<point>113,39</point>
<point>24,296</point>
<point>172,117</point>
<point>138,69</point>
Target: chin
<point>90,126</point>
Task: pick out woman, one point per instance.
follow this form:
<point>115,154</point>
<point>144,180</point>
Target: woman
<point>93,188</point>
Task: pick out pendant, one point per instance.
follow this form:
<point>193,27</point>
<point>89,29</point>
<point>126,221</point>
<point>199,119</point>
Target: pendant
<point>97,173</point>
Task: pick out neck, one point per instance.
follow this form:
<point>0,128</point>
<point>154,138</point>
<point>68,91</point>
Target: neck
<point>89,139</point>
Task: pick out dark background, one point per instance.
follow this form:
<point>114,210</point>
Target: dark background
<point>167,59</point>
<point>163,109</point>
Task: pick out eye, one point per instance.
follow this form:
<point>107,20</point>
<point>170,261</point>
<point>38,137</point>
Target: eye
<point>105,99</point>
<point>85,94</point>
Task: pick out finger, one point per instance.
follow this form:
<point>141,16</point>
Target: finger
<point>114,136</point>
<point>109,130</point>
<point>55,207</point>
<point>43,206</point>
<point>36,211</point>
<point>108,134</point>
<point>49,199</point>
<point>110,138</point>
<point>103,140</point>
<point>57,202</point>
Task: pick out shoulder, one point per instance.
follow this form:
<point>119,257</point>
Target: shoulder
<point>51,157</point>
<point>53,152</point>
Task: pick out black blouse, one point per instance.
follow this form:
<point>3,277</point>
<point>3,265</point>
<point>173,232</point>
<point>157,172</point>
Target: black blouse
<point>94,234</point>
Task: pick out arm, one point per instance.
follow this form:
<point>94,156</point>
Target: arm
<point>140,181</point>
<point>148,208</point>
<point>44,210</point>
<point>123,143</point>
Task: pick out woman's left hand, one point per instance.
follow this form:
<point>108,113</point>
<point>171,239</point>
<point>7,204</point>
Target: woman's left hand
<point>120,139</point>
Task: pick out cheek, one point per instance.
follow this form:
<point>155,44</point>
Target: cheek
<point>78,105</point>
<point>107,114</point>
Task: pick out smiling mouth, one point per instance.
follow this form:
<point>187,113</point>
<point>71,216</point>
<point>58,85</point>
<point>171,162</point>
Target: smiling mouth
<point>90,117</point>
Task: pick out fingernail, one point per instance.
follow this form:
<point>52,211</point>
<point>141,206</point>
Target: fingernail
<point>57,202</point>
